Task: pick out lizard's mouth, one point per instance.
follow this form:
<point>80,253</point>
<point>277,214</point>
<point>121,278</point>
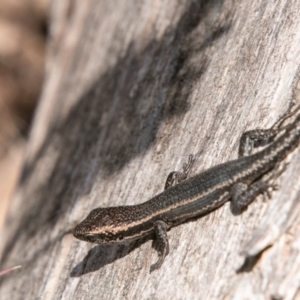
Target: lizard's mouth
<point>84,237</point>
<point>77,235</point>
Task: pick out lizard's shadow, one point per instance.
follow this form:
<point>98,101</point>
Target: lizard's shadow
<point>102,255</point>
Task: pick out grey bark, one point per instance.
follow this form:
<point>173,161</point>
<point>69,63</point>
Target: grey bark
<point>133,88</point>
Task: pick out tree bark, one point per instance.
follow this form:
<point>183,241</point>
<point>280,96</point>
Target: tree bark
<point>132,88</point>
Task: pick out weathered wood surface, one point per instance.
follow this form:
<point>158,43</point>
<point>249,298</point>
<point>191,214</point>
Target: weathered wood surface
<point>132,88</point>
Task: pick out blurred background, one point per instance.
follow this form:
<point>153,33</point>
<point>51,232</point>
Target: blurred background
<point>23,34</point>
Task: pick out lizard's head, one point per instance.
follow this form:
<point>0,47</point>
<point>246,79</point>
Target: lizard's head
<point>103,226</point>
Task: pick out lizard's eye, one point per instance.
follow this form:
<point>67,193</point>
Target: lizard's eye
<point>92,238</point>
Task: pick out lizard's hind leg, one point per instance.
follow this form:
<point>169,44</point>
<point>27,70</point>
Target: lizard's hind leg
<point>261,137</point>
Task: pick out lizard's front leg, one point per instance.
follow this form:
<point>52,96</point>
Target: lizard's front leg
<point>162,243</point>
<point>177,176</point>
